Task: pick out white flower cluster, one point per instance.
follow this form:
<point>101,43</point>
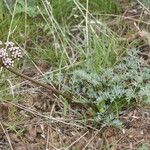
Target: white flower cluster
<point>9,53</point>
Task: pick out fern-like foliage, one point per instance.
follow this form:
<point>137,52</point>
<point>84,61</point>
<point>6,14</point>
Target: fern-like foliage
<point>129,80</point>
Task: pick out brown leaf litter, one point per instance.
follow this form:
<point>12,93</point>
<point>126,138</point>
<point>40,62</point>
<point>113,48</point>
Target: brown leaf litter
<point>41,133</point>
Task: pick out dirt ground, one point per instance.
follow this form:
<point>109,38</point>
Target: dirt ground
<point>30,126</point>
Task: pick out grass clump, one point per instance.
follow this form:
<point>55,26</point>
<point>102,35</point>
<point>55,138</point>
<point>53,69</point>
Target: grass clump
<point>104,6</point>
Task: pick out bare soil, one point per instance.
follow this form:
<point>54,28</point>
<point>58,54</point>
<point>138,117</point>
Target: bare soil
<point>32,128</point>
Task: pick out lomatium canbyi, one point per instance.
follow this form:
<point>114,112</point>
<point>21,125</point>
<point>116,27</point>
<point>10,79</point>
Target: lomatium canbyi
<point>9,53</point>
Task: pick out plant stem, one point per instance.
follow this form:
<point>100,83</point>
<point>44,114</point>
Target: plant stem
<point>48,87</point>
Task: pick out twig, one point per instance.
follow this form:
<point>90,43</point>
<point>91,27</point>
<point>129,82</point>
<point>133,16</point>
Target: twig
<point>7,136</point>
<point>48,117</point>
<point>90,140</point>
<point>76,141</point>
<point>143,6</point>
<point>55,91</point>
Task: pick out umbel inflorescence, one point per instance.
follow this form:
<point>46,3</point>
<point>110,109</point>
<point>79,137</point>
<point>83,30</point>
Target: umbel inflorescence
<point>9,53</point>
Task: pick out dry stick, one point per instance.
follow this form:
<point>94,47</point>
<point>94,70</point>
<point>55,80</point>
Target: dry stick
<point>57,92</point>
<point>48,87</point>
<point>7,136</point>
